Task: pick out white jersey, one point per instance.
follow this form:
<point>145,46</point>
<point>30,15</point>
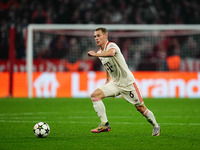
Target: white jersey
<point>116,66</point>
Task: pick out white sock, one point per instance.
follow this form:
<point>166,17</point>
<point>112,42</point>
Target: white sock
<point>100,110</point>
<point>150,118</point>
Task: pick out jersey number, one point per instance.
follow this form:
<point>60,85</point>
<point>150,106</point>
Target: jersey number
<point>131,94</point>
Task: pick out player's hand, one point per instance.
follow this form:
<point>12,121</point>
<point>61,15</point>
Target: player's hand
<point>91,53</point>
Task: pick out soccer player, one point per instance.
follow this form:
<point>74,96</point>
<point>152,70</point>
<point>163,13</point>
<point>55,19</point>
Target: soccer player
<point>120,80</point>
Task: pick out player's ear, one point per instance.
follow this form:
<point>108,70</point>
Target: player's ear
<point>106,35</point>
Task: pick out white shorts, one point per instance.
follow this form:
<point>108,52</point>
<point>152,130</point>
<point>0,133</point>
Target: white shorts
<point>130,93</point>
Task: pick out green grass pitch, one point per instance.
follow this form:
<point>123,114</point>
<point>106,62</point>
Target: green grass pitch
<point>71,120</point>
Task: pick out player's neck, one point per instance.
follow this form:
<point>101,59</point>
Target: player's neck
<point>103,45</point>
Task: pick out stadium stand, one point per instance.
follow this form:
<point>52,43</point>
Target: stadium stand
<point>20,13</point>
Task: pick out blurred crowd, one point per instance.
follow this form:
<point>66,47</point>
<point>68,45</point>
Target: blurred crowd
<point>20,13</point>
<point>100,11</point>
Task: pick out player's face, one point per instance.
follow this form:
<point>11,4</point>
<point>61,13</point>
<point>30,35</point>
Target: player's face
<point>100,38</point>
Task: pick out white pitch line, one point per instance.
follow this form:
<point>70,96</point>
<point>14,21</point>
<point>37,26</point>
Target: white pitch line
<point>75,122</point>
<point>26,114</point>
<point>30,114</point>
<point>175,117</point>
<point>30,117</point>
<point>18,121</point>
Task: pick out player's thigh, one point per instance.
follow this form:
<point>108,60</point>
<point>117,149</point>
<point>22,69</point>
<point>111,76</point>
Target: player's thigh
<point>133,96</point>
<point>110,89</point>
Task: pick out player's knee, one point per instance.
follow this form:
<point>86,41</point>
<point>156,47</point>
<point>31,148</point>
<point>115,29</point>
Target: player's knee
<point>141,109</point>
<point>97,94</point>
<point>93,95</point>
<point>138,108</point>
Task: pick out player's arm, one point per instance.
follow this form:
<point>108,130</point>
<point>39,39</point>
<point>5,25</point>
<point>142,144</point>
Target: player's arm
<point>109,53</point>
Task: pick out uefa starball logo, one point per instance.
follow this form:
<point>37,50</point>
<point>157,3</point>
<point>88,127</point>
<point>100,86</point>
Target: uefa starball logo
<point>46,85</point>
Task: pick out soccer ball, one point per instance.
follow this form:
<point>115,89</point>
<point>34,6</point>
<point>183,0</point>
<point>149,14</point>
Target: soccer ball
<point>41,129</point>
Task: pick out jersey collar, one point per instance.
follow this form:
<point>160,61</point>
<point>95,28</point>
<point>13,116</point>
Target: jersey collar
<point>105,47</point>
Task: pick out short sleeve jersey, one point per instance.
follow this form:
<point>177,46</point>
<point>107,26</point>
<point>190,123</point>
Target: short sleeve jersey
<point>116,66</point>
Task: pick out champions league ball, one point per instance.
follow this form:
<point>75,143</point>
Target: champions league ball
<point>41,129</point>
